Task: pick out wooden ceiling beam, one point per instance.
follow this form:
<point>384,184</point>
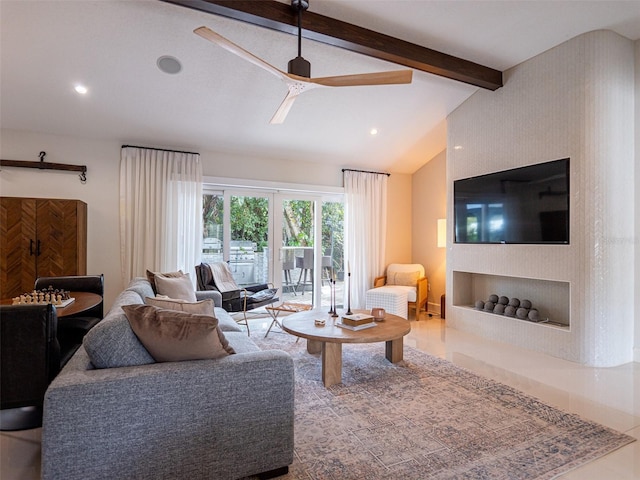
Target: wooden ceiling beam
<point>281,17</point>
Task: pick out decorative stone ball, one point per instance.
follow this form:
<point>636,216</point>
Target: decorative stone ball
<point>479,305</point>
<point>489,306</point>
<point>510,311</point>
<point>534,316</point>
<point>503,300</point>
<point>493,298</point>
<point>514,302</point>
<point>525,303</point>
<point>499,309</point>
<point>522,313</point>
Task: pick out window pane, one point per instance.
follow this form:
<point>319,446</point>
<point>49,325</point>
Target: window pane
<point>249,246</point>
<point>212,234</point>
<point>333,250</point>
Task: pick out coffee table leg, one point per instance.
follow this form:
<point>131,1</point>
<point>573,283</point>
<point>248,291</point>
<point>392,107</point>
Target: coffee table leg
<point>331,363</point>
<point>314,346</point>
<point>394,350</point>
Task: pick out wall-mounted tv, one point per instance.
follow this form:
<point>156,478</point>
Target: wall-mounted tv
<point>522,205</point>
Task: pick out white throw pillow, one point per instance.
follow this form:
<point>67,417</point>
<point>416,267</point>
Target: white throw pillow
<point>176,287</point>
<point>408,279</point>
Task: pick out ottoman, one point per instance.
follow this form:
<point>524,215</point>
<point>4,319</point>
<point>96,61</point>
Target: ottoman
<point>391,298</point>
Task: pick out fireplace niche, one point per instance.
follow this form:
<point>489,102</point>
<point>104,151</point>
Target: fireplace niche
<point>551,298</point>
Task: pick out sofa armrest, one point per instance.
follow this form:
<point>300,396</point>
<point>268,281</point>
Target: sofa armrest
<point>232,416</point>
<point>379,281</point>
<point>215,295</point>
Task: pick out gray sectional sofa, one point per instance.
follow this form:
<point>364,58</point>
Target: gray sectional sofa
<point>136,419</point>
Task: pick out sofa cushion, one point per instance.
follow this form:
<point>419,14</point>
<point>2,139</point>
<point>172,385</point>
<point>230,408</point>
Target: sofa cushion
<point>112,343</point>
<point>141,286</point>
<point>126,297</point>
<point>171,335</point>
<point>410,292</point>
<point>225,322</point>
<point>241,343</point>
<point>176,287</point>
<point>203,307</point>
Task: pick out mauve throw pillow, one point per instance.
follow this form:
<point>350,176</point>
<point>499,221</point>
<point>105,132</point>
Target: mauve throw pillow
<point>173,336</point>
<point>176,287</point>
<point>203,307</point>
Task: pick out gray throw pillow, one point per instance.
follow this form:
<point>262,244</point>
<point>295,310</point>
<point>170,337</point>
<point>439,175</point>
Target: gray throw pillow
<point>112,343</point>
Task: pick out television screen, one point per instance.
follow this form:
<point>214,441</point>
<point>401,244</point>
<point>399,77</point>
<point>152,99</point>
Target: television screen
<point>523,205</point>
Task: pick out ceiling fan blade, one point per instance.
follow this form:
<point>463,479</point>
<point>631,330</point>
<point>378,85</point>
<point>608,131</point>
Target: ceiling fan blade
<point>379,78</point>
<point>284,108</point>
<point>218,39</point>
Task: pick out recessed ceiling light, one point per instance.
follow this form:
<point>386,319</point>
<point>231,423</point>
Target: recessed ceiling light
<point>457,147</point>
<point>81,89</point>
<point>373,131</point>
<point>170,65</point>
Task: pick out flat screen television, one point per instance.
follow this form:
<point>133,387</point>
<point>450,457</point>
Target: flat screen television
<point>522,205</point>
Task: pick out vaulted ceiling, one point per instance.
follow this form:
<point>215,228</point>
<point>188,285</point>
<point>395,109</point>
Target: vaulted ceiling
<point>219,102</point>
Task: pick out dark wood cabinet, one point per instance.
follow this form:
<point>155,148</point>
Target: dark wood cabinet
<point>40,237</point>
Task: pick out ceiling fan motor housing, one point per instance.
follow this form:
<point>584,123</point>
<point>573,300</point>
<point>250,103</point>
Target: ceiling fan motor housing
<point>299,66</point>
<point>300,4</point>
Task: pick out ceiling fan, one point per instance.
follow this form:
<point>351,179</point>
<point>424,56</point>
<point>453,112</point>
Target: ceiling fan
<point>298,78</point>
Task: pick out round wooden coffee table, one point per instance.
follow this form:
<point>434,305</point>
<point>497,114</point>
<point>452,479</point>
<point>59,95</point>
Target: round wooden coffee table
<point>328,339</point>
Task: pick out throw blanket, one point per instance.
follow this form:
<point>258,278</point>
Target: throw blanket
<point>222,277</point>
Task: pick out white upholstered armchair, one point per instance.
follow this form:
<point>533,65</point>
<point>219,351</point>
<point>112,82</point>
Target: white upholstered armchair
<point>406,279</point>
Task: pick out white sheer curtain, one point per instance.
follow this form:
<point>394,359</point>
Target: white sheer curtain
<point>366,229</point>
<point>160,211</point>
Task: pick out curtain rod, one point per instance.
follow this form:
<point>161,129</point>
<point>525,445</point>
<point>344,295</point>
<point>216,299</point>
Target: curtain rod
<point>160,149</point>
<point>365,171</point>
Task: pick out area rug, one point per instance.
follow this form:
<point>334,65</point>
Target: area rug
<point>425,418</point>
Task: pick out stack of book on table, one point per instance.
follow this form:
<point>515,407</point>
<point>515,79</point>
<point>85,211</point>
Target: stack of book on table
<point>356,321</point>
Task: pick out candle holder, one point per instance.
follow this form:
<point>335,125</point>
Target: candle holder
<point>349,312</point>
<point>332,289</point>
<point>331,308</point>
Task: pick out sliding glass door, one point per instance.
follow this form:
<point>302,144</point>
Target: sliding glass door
<point>237,230</point>
<point>294,241</point>
<point>311,248</point>
<point>296,224</point>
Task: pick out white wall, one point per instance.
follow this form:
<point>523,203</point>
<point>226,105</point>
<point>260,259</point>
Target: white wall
<point>101,192</point>
<point>430,204</point>
<point>575,100</point>
<point>399,237</point>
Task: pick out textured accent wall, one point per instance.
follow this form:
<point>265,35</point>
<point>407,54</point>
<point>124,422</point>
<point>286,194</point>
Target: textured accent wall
<point>575,100</point>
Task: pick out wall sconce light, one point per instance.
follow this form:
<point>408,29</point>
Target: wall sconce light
<point>442,232</point>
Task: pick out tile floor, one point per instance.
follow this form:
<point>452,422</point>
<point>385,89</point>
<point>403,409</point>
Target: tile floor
<point>610,396</point>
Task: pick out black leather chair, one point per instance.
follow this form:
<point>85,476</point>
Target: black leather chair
<point>73,328</point>
<point>236,299</point>
<point>30,357</point>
